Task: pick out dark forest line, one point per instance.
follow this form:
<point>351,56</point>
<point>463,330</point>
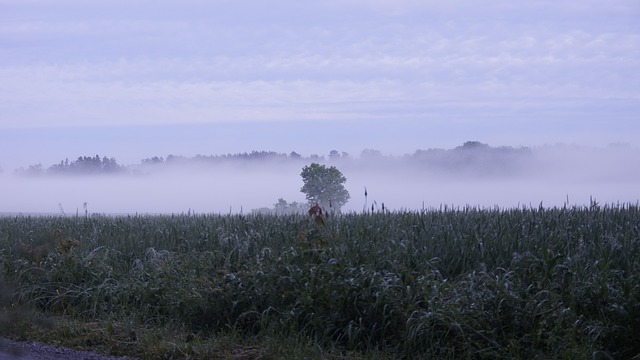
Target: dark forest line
<point>472,155</point>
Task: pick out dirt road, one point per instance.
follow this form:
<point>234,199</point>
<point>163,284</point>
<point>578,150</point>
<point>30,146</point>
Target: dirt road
<point>27,350</point>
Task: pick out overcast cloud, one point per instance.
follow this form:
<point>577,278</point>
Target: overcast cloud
<point>142,62</point>
<point>139,78</point>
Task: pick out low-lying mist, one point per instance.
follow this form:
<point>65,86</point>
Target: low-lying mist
<point>466,176</point>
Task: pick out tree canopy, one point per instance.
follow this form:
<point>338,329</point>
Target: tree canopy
<point>325,186</point>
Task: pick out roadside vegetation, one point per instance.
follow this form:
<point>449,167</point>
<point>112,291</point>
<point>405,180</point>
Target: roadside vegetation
<point>468,283</point>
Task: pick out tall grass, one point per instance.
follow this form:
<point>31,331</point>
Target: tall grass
<point>448,283</point>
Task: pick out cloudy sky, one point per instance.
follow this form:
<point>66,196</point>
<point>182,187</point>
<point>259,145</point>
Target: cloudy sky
<point>132,79</point>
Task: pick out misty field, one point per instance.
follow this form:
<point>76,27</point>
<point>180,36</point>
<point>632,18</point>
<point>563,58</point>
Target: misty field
<point>461,283</point>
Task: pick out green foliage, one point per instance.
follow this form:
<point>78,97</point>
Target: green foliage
<point>324,185</point>
<point>557,283</point>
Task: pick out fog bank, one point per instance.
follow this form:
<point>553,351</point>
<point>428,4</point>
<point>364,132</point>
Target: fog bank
<point>551,176</point>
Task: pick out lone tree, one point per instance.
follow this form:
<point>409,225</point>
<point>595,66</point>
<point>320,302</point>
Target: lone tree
<point>325,186</point>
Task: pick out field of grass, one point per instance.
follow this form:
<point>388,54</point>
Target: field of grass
<point>535,283</point>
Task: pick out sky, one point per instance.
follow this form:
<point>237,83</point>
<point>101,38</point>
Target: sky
<point>132,79</point>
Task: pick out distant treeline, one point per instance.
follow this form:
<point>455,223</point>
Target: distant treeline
<point>83,165</point>
<point>472,156</point>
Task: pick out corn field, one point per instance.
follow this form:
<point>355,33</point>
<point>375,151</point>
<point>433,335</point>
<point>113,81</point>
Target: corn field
<point>466,283</point>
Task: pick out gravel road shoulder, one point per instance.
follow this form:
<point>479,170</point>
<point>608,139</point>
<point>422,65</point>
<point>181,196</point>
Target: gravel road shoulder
<point>28,350</point>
